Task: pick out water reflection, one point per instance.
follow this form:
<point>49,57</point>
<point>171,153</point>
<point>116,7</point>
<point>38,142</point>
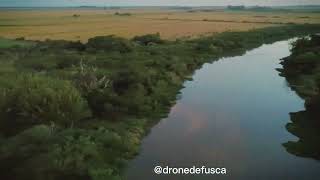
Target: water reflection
<point>232,114</point>
<point>305,125</point>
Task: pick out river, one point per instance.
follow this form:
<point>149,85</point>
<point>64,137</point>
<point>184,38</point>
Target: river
<point>232,114</point>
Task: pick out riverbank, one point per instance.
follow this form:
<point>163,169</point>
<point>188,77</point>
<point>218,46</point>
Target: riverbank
<point>302,71</point>
<point>79,111</point>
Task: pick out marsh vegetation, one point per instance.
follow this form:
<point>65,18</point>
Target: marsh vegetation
<point>73,110</point>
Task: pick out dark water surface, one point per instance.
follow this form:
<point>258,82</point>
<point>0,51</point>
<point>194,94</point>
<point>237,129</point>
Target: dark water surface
<point>233,115</point>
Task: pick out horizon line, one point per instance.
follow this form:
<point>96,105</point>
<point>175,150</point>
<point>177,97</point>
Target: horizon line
<point>100,6</point>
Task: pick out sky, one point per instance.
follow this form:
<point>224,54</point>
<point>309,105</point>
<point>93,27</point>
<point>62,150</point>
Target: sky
<point>55,3</point>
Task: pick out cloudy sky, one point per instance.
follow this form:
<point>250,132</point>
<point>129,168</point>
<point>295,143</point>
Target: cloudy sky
<point>153,2</point>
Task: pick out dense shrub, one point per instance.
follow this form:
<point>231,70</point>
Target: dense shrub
<point>110,43</point>
<point>66,60</point>
<point>123,80</point>
<point>87,80</point>
<point>122,14</point>
<point>56,45</point>
<point>304,59</point>
<point>42,100</point>
<point>149,39</point>
<point>308,57</point>
<point>299,45</point>
<point>38,62</point>
<point>123,93</point>
<point>74,153</point>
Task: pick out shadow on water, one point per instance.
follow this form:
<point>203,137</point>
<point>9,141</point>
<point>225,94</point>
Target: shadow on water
<point>305,125</point>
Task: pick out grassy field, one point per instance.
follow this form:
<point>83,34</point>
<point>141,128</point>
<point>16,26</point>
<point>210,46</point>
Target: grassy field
<point>82,24</point>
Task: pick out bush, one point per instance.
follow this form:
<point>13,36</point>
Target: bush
<point>308,57</point>
<point>149,39</point>
<point>73,153</point>
<point>110,43</point>
<point>58,45</point>
<point>42,100</point>
<point>122,14</point>
<point>299,46</point>
<point>38,62</point>
<point>67,61</point>
<point>87,80</point>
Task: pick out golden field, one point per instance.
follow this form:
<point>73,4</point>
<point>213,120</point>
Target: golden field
<point>171,24</point>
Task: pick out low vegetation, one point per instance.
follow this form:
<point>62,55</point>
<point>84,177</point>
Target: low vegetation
<point>19,42</point>
<point>79,111</point>
<point>302,67</point>
<point>122,14</point>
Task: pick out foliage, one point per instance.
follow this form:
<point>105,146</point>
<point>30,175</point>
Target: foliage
<point>8,43</point>
<point>110,43</point>
<point>48,91</point>
<point>35,99</point>
<point>149,39</point>
<point>87,80</point>
<point>52,61</point>
<point>122,14</point>
<point>96,153</point>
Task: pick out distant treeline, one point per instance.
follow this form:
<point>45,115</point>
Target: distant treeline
<point>306,8</point>
<point>310,9</point>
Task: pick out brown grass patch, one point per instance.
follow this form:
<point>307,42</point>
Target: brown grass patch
<point>81,24</point>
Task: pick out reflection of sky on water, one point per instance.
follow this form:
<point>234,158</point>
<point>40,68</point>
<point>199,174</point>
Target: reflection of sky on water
<point>233,114</point>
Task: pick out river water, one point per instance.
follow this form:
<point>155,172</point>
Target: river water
<point>232,114</point>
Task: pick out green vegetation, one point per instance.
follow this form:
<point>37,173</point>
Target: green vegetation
<point>302,67</point>
<point>290,9</point>
<point>149,39</point>
<point>236,7</point>
<point>302,71</point>
<point>8,43</point>
<point>122,14</point>
<point>34,99</point>
<point>79,111</point>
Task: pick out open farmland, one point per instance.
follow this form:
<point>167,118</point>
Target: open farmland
<point>82,24</point>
